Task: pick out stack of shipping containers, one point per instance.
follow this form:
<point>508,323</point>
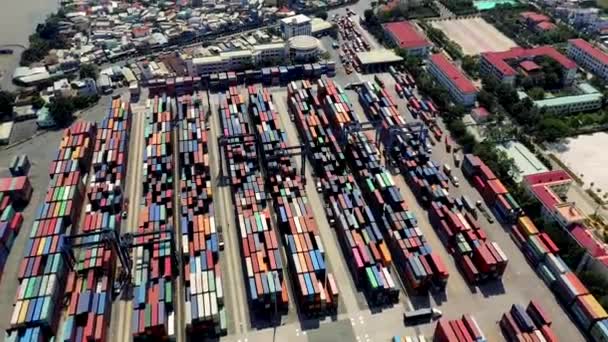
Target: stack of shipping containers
<point>154,266</point>
<point>527,324</point>
<point>89,285</point>
<point>205,312</point>
<point>10,224</point>
<point>43,271</point>
<point>461,233</point>
<point>262,262</point>
<point>316,290</point>
<point>419,267</point>
<point>359,234</point>
<point>458,330</point>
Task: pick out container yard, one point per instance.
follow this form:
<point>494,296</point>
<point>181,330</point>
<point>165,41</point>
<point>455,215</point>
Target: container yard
<point>90,285</point>
<point>259,241</point>
<point>459,330</point>
<point>154,252</point>
<point>359,235</point>
<point>43,270</point>
<point>352,41</point>
<point>478,258</point>
<point>315,288</point>
<point>203,286</point>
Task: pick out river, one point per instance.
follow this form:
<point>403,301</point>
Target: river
<point>18,19</point>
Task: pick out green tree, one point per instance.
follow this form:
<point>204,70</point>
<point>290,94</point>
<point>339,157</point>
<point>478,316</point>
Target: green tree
<point>537,93</point>
<point>470,64</point>
<point>7,101</point>
<point>487,100</point>
<point>369,16</point>
<point>89,71</point>
<point>61,110</point>
<point>551,129</point>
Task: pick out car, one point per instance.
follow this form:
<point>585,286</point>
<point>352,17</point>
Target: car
<point>478,204</point>
<point>335,45</point>
<point>456,181</point>
<point>221,240</point>
<point>319,186</point>
<point>124,214</point>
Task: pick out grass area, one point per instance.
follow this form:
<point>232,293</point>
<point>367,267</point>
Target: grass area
<point>602,3</point>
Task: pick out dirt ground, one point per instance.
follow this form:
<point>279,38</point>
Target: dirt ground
<point>474,35</point>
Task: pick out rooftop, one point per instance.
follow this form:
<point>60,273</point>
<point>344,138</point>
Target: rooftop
<point>586,239</point>
<point>498,59</point>
<point>406,35</point>
<point>546,26</point>
<point>319,25</point>
<point>525,161</point>
<point>378,56</point>
<point>569,212</point>
<point>296,19</point>
<point>590,49</point>
<point>453,73</point>
<point>304,42</point>
<point>568,100</point>
<point>529,66</point>
<point>546,178</point>
<point>534,17</point>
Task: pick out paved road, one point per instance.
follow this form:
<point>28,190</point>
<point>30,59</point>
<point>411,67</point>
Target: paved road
<point>122,309</point>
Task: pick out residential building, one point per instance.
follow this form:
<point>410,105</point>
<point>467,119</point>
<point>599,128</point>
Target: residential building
<point>460,88</point>
<point>499,64</point>
<point>589,57</point>
<point>62,88</point>
<point>405,36</point>
<point>298,25</point>
<point>85,87</point>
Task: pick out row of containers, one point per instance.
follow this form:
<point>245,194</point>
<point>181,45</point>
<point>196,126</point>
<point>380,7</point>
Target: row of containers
<point>43,271</point>
<point>10,224</point>
<point>202,276</point>
<point>221,81</point>
<point>154,264</point>
<point>529,323</point>
<point>89,286</point>
<point>374,225</point>
<point>543,255</point>
<point>315,289</point>
<point>358,232</point>
<point>261,256</point>
<point>478,258</point>
<point>464,329</point>
<point>422,109</point>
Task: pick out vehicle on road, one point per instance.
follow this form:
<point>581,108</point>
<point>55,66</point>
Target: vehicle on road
<point>221,240</point>
<point>421,315</point>
<point>124,215</point>
<point>455,181</point>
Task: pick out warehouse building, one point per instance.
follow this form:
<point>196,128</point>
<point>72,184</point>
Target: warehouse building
<point>589,57</point>
<point>525,160</point>
<point>461,89</point>
<point>499,64</point>
<point>377,60</point>
<point>404,35</point>
<point>298,25</point>
<point>589,99</point>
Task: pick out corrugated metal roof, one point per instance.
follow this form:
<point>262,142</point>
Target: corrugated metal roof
<point>524,159</point>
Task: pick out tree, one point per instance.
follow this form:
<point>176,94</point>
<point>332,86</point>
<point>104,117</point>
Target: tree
<point>486,99</point>
<point>61,110</point>
<point>551,129</point>
<point>37,102</point>
<point>7,100</point>
<point>470,64</point>
<point>369,16</point>
<point>537,93</point>
<point>89,71</point>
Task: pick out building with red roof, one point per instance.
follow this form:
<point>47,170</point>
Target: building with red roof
<point>589,57</point>
<point>545,26</point>
<point>588,241</point>
<point>534,17</point>
<point>461,89</point>
<point>529,66</point>
<point>550,189</point>
<point>405,35</point>
<point>499,64</point>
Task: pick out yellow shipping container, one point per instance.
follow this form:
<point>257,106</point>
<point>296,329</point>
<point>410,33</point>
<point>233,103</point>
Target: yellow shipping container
<point>527,225</point>
<point>598,310</point>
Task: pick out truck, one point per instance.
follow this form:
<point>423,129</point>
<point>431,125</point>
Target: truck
<point>421,315</point>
